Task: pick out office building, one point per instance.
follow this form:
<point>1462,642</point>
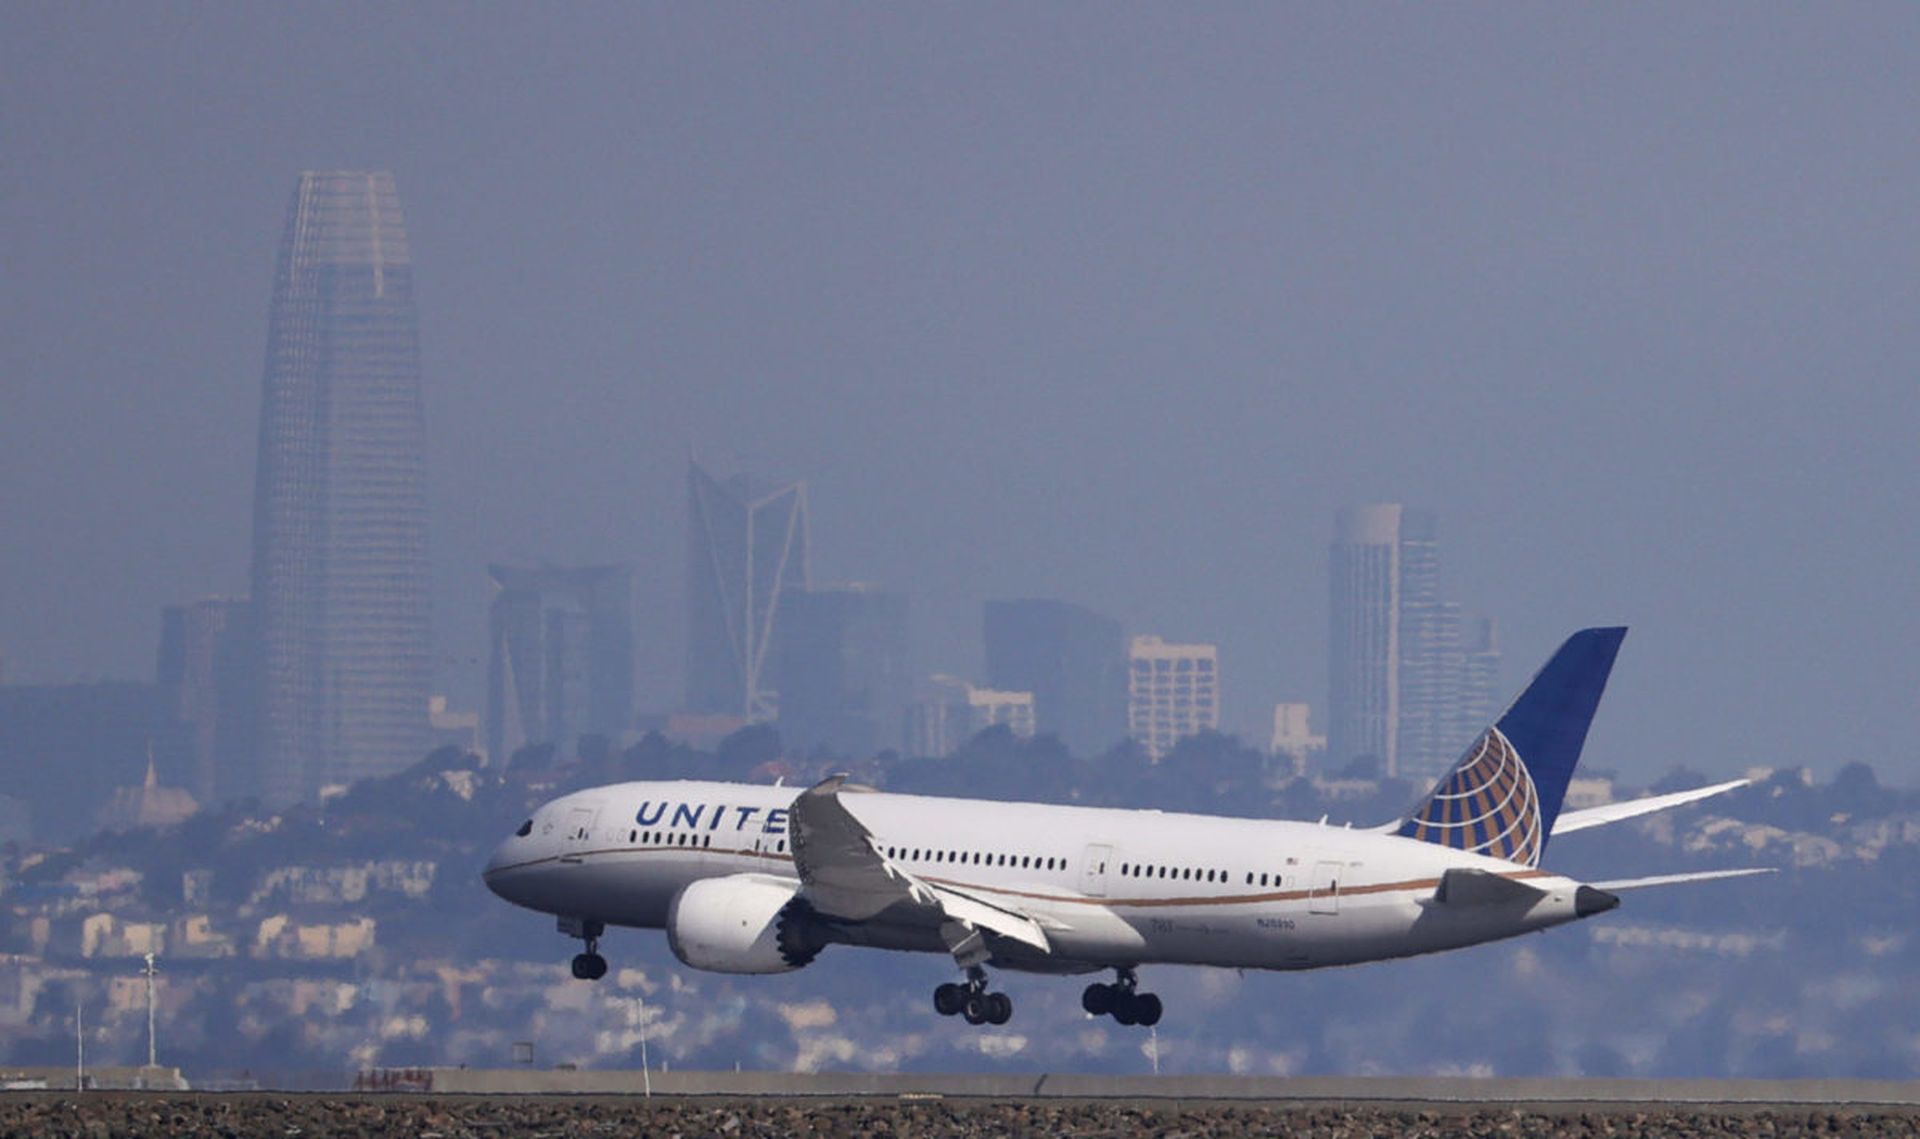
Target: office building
<point>1173,691</point>
<point>1293,741</point>
<point>1480,698</point>
<point>746,551</point>
<point>959,710</point>
<point>206,662</point>
<point>1396,666</point>
<point>560,659</point>
<point>66,747</point>
<point>844,670</point>
<point>340,580</point>
<point>1072,659</point>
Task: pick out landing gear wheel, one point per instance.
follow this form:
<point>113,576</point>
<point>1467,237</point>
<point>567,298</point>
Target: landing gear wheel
<point>1124,1008</point>
<point>999,1008</point>
<point>1146,1010</point>
<point>1097,999</point>
<point>975,1009</point>
<point>949,999</point>
<point>589,966</point>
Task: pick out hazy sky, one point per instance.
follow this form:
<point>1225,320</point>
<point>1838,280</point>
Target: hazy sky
<point>1109,303</point>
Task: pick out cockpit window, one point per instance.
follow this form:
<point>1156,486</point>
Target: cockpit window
<point>526,829</point>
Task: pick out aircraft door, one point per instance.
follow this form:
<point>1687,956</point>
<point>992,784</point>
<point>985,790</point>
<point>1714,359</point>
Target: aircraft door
<point>1324,896</point>
<point>579,828</point>
<point>1093,870</point>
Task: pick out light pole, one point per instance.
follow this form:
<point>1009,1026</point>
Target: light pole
<point>150,971</point>
<point>646,1074</point>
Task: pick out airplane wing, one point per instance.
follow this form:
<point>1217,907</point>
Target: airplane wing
<point>1678,879</point>
<point>1570,821</point>
<point>844,875</point>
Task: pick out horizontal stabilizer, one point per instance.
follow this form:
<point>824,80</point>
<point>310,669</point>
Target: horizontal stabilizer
<point>1680,879</point>
<point>1467,887</point>
<point>1633,808</point>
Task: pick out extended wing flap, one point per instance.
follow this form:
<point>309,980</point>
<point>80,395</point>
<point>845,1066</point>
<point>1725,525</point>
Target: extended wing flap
<point>1570,821</point>
<point>969,910</point>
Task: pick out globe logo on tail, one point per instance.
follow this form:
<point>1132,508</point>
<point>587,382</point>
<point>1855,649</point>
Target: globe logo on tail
<point>1487,805</point>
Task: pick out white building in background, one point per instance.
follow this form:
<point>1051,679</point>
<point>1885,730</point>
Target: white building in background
<point>1173,691</point>
<point>1293,739</point>
<point>938,727</point>
<point>989,706</point>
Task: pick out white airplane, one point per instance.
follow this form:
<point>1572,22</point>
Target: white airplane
<point>754,879</point>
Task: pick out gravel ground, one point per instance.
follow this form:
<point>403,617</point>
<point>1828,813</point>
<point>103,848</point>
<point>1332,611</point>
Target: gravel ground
<point>102,1115</point>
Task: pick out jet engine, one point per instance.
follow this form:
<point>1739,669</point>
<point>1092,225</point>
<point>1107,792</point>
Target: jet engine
<point>743,923</point>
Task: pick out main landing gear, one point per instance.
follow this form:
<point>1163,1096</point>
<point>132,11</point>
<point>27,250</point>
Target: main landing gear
<point>1119,1001</point>
<point>972,1000</point>
<point>587,966</point>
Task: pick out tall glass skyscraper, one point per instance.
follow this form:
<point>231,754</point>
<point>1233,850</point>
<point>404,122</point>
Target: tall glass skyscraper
<point>561,665</point>
<point>1399,676</point>
<point>1072,659</point>
<point>746,552</point>
<point>340,582</point>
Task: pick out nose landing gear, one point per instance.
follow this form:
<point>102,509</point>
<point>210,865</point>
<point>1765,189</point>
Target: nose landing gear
<point>971,1001</point>
<point>587,966</point>
<point>1120,1001</point>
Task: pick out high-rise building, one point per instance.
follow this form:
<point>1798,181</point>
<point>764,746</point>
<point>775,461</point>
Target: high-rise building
<point>1173,691</point>
<point>1072,659</point>
<point>844,670</point>
<point>1396,667</point>
<point>340,576</point>
<point>1293,740</point>
<point>64,748</point>
<point>746,551</point>
<point>560,664</point>
<point>206,662</point>
<point>958,710</point>
<point>1480,695</point>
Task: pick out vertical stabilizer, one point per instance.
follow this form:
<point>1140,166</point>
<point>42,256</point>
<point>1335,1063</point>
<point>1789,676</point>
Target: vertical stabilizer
<point>1503,795</point>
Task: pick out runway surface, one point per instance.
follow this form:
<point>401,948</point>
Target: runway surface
<point>109,1115</point>
<point>1415,1092</point>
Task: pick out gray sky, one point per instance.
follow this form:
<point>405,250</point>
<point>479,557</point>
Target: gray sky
<point>1110,303</point>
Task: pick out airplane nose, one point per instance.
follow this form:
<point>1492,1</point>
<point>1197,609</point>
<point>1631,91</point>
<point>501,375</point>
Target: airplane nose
<point>499,869</point>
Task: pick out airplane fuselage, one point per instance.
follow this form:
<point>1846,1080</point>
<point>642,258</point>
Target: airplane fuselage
<point>1110,888</point>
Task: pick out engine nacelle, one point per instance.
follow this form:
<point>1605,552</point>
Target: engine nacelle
<point>743,923</point>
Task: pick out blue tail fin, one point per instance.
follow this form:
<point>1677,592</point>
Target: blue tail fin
<point>1503,795</point>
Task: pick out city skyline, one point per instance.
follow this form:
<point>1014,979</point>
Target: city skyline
<point>1041,305</point>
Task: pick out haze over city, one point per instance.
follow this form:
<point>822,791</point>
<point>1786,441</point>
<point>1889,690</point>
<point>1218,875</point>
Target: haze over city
<point>1111,304</point>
